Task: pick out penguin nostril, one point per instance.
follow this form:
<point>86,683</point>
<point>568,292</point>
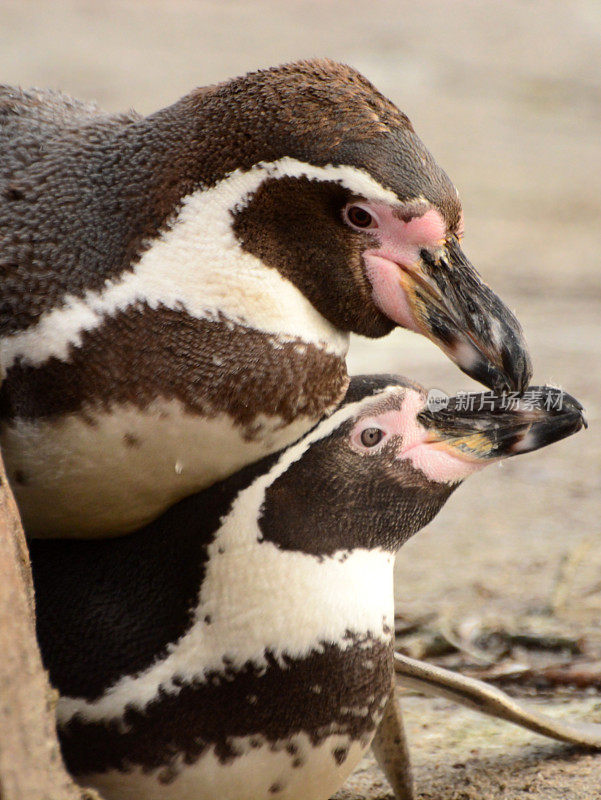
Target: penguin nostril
<point>427,257</point>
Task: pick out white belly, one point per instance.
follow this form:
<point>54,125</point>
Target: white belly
<point>119,470</point>
<point>309,640</point>
<point>286,607</point>
<point>268,772</point>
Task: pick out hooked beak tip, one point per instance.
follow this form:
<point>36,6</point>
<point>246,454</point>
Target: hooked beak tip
<point>469,322</point>
<point>504,373</point>
<point>486,426</point>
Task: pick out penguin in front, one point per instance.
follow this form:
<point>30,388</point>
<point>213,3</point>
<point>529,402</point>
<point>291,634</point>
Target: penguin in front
<point>178,289</point>
<point>241,645</point>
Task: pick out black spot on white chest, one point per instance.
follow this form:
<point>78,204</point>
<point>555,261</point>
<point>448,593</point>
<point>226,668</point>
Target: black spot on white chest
<point>336,690</point>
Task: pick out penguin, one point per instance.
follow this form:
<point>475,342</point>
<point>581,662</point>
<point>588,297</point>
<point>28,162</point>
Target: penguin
<point>240,646</point>
<point>178,289</point>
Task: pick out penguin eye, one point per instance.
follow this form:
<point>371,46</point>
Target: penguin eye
<point>359,217</point>
<point>370,437</point>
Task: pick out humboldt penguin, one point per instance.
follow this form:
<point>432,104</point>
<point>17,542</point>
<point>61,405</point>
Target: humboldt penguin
<point>240,646</point>
<point>178,289</point>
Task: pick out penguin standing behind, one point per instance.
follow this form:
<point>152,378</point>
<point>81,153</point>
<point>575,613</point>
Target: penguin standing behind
<point>240,646</point>
<point>178,289</point>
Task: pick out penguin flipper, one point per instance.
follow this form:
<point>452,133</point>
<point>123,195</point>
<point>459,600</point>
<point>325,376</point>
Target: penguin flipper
<point>481,696</point>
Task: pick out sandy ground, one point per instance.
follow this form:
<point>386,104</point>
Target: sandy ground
<point>458,755</point>
<point>508,98</point>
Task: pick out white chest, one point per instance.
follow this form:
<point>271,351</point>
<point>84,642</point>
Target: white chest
<point>115,471</point>
<point>280,614</point>
<point>261,773</point>
<point>276,688</point>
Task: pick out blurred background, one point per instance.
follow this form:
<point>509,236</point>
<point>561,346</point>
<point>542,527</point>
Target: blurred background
<point>507,96</point>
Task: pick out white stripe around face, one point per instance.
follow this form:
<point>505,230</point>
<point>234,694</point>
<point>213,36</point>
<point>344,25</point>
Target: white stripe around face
<point>198,264</point>
<point>259,597</point>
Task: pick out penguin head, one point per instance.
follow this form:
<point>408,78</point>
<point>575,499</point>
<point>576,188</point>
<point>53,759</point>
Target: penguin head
<point>346,202</point>
<point>383,465</point>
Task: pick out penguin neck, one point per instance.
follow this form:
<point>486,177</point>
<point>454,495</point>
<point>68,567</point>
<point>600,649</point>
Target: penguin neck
<point>262,629</point>
<point>201,588</point>
<point>194,180</point>
<point>289,601</point>
<point>345,590</point>
<point>137,594</point>
<point>175,284</point>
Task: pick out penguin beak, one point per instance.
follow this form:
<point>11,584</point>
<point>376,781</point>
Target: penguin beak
<point>485,427</point>
<point>452,306</point>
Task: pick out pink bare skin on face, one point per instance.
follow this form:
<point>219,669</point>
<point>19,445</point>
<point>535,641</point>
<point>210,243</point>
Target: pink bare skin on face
<point>398,253</point>
<point>421,280</point>
<point>415,443</point>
